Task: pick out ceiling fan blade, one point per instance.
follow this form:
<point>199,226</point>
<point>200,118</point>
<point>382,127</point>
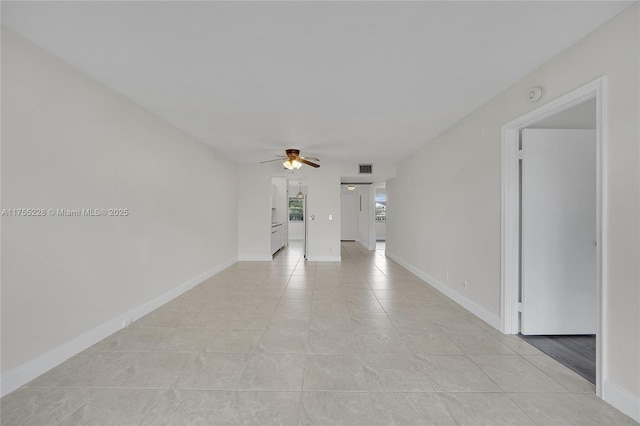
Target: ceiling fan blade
<point>308,163</point>
<point>310,158</point>
<point>269,161</point>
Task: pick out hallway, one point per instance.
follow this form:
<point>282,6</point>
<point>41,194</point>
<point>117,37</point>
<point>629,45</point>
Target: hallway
<point>362,341</point>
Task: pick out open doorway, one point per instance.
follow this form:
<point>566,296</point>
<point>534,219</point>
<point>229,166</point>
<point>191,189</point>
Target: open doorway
<point>549,237</point>
<point>297,198</point>
<point>357,213</point>
<point>558,234</point>
<point>381,217</point>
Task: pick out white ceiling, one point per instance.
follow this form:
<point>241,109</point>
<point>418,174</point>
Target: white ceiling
<point>371,81</point>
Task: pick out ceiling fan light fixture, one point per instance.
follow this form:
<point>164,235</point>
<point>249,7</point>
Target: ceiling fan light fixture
<point>292,164</point>
<point>293,161</point>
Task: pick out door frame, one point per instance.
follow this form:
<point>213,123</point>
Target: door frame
<point>510,210</point>
<point>305,248</point>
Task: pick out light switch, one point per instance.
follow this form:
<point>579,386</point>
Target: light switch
<point>330,217</point>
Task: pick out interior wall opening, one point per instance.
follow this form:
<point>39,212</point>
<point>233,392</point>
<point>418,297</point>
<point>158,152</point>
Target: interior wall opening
<point>381,215</point>
<point>591,99</point>
<point>558,291</point>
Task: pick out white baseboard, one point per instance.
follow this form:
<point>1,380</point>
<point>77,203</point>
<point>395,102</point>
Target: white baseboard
<point>479,311</point>
<point>24,373</point>
<point>325,258</point>
<point>255,258</point>
<point>621,399</point>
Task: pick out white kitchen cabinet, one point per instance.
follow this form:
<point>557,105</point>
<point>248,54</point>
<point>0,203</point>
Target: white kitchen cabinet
<point>277,237</point>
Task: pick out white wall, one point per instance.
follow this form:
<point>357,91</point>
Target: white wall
<point>323,199</point>
<point>349,201</point>
<point>69,142</point>
<point>444,205</point>
<point>279,199</point>
<point>254,216</point>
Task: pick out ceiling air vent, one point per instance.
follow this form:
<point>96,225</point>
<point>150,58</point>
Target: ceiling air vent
<point>366,169</point>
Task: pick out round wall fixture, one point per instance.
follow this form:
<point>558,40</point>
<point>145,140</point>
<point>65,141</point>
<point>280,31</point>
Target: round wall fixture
<point>535,94</point>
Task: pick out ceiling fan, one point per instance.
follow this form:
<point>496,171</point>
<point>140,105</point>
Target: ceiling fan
<point>293,160</point>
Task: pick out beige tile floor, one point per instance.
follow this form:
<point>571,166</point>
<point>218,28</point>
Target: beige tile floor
<point>362,341</point>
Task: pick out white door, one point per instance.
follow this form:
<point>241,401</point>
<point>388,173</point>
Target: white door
<point>348,217</point>
<point>558,232</point>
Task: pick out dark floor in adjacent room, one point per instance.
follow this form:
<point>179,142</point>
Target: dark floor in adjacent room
<point>575,352</point>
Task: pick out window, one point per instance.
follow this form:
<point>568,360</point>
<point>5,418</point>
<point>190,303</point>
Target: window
<point>381,207</point>
<point>296,209</point>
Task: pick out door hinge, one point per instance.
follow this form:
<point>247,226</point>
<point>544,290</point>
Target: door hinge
<point>520,154</point>
<point>519,306</point>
